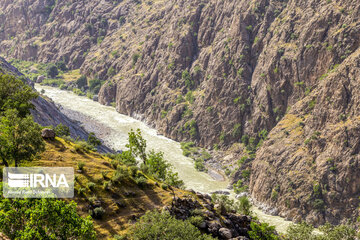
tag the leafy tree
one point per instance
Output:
(81, 81)
(93, 140)
(137, 145)
(52, 71)
(14, 94)
(62, 130)
(162, 226)
(61, 65)
(94, 85)
(262, 231)
(29, 219)
(20, 138)
(304, 231)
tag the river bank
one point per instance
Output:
(112, 127)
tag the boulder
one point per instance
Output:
(48, 133)
(225, 233)
(40, 78)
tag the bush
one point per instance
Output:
(81, 165)
(162, 226)
(97, 213)
(81, 81)
(164, 186)
(81, 191)
(93, 140)
(91, 186)
(52, 71)
(62, 130)
(61, 65)
(43, 219)
(141, 182)
(262, 231)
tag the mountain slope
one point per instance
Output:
(217, 71)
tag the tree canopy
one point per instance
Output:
(29, 219)
(14, 94)
(20, 138)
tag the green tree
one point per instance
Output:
(137, 145)
(14, 94)
(262, 231)
(61, 65)
(93, 140)
(29, 219)
(20, 138)
(162, 226)
(81, 81)
(62, 130)
(52, 71)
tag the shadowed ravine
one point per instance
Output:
(113, 127)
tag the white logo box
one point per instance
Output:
(38, 182)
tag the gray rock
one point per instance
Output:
(225, 233)
(48, 133)
(40, 78)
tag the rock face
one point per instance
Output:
(219, 70)
(48, 133)
(224, 226)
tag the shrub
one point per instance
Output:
(196, 220)
(97, 213)
(81, 165)
(141, 181)
(81, 191)
(93, 140)
(62, 130)
(162, 226)
(52, 71)
(43, 219)
(164, 186)
(91, 186)
(262, 231)
(81, 81)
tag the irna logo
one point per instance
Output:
(38, 182)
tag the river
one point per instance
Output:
(113, 127)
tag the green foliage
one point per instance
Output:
(81, 81)
(93, 140)
(52, 71)
(191, 128)
(240, 187)
(61, 65)
(236, 132)
(78, 92)
(94, 85)
(81, 165)
(262, 231)
(20, 138)
(189, 83)
(162, 226)
(242, 206)
(135, 58)
(153, 163)
(14, 94)
(190, 97)
(304, 231)
(137, 145)
(97, 213)
(62, 130)
(43, 219)
(141, 181)
(111, 72)
(91, 186)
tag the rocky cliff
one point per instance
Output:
(218, 71)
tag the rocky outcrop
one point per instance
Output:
(308, 168)
(48, 133)
(222, 226)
